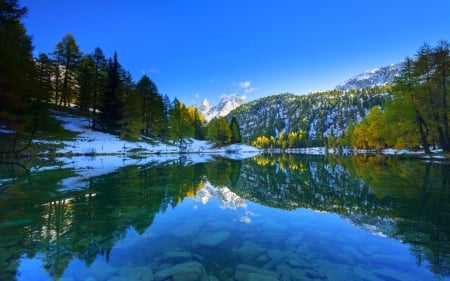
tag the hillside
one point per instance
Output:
(317, 115)
(377, 77)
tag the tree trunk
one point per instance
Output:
(446, 145)
(423, 131)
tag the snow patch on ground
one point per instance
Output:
(95, 153)
(89, 142)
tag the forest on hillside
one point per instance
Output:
(92, 85)
(418, 113)
(411, 113)
(318, 119)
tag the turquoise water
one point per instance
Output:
(267, 218)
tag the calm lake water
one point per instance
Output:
(266, 218)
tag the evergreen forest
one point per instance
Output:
(412, 113)
(88, 84)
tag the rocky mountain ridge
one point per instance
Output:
(377, 77)
(226, 104)
(317, 115)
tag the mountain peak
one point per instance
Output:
(204, 105)
(226, 104)
(372, 78)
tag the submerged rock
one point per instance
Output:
(214, 239)
(176, 256)
(249, 250)
(245, 272)
(184, 231)
(188, 271)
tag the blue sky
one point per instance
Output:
(208, 48)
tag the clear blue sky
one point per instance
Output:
(208, 48)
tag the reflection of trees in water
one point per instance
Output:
(290, 182)
(87, 223)
(421, 192)
(414, 196)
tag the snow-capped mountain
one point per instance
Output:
(227, 198)
(317, 115)
(225, 105)
(372, 78)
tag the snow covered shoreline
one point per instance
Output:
(89, 142)
(94, 153)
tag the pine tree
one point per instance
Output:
(44, 75)
(211, 133)
(19, 97)
(100, 83)
(197, 121)
(112, 108)
(152, 106)
(180, 124)
(441, 60)
(219, 131)
(57, 74)
(86, 74)
(70, 56)
(132, 123)
(235, 131)
(376, 129)
(165, 118)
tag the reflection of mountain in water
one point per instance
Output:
(404, 200)
(227, 199)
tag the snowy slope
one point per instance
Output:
(89, 142)
(94, 153)
(317, 115)
(372, 78)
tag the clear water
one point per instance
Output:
(266, 218)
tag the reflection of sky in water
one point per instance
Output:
(234, 238)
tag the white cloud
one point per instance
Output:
(224, 95)
(197, 95)
(249, 90)
(228, 95)
(246, 86)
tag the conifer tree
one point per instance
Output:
(219, 131)
(86, 84)
(44, 75)
(211, 133)
(70, 55)
(100, 80)
(235, 131)
(152, 106)
(441, 75)
(19, 98)
(132, 123)
(112, 108)
(224, 131)
(180, 124)
(165, 118)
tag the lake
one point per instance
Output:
(270, 217)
